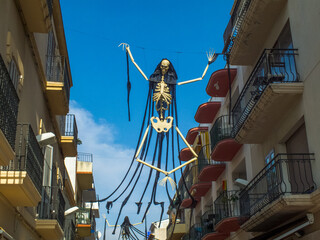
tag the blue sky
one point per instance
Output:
(181, 31)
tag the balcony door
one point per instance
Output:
(300, 175)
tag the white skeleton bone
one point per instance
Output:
(162, 93)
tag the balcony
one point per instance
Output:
(83, 222)
(279, 192)
(50, 221)
(195, 232)
(69, 135)
(207, 111)
(193, 133)
(273, 86)
(21, 180)
(37, 14)
(218, 85)
(9, 103)
(84, 171)
(178, 231)
(196, 188)
(57, 85)
(248, 28)
(208, 222)
(223, 145)
(227, 212)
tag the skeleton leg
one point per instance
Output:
(153, 167)
(142, 142)
(185, 141)
(186, 163)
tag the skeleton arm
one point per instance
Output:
(132, 59)
(211, 58)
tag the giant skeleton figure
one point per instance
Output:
(161, 97)
(164, 80)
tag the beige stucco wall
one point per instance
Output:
(304, 17)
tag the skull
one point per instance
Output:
(164, 66)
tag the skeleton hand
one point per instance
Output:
(124, 45)
(211, 56)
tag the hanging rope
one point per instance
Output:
(128, 85)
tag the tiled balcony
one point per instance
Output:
(280, 191)
(196, 188)
(69, 135)
(208, 223)
(227, 212)
(84, 171)
(206, 112)
(223, 145)
(9, 103)
(193, 133)
(50, 221)
(272, 87)
(21, 180)
(83, 222)
(218, 85)
(57, 85)
(249, 26)
(37, 14)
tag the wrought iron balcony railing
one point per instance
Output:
(208, 221)
(52, 205)
(49, 4)
(9, 103)
(227, 205)
(195, 232)
(221, 129)
(29, 156)
(274, 66)
(68, 126)
(84, 216)
(57, 72)
(234, 23)
(286, 173)
(84, 157)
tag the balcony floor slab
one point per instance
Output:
(19, 189)
(278, 212)
(266, 113)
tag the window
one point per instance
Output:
(284, 40)
(14, 73)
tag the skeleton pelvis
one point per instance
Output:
(161, 126)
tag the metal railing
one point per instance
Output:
(56, 71)
(9, 103)
(28, 157)
(66, 80)
(69, 128)
(221, 129)
(195, 232)
(274, 66)
(286, 173)
(227, 205)
(208, 221)
(83, 216)
(235, 23)
(52, 205)
(49, 4)
(84, 157)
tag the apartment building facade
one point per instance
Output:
(257, 171)
(37, 134)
